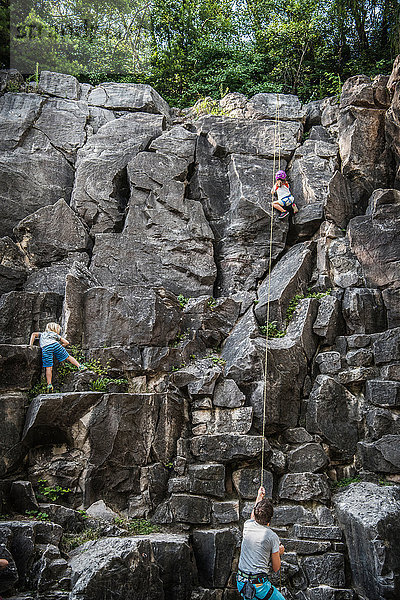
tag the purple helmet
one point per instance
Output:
(280, 175)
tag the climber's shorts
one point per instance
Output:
(262, 589)
(286, 201)
(53, 350)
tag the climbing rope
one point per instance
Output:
(277, 136)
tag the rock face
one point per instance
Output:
(148, 234)
(368, 515)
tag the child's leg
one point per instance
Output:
(73, 361)
(49, 374)
(278, 207)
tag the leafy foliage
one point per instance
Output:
(70, 541)
(50, 493)
(194, 49)
(137, 526)
(37, 515)
(101, 384)
(345, 481)
(272, 330)
(295, 301)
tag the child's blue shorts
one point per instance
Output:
(53, 350)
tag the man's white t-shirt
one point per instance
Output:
(257, 545)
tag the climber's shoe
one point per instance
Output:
(295, 208)
(283, 214)
(50, 388)
(82, 368)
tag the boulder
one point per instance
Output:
(171, 244)
(359, 358)
(307, 457)
(173, 555)
(320, 134)
(333, 413)
(135, 97)
(63, 122)
(36, 234)
(207, 479)
(226, 447)
(247, 481)
(101, 189)
(115, 563)
(380, 422)
(54, 278)
(374, 239)
(344, 269)
(18, 112)
(392, 117)
(329, 321)
(225, 512)
(339, 204)
(228, 394)
(22, 313)
(213, 550)
(300, 487)
(386, 347)
(391, 300)
(241, 136)
(12, 414)
(129, 316)
(23, 497)
(223, 420)
(382, 456)
(297, 435)
(13, 270)
(311, 170)
(361, 91)
(290, 276)
(99, 510)
(264, 106)
(198, 378)
(20, 367)
(33, 175)
(329, 362)
(328, 568)
(289, 514)
(287, 369)
(190, 509)
(362, 146)
(369, 517)
(59, 84)
(125, 429)
(363, 310)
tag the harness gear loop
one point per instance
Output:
(277, 134)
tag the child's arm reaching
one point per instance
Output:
(64, 342)
(33, 337)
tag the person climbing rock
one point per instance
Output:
(285, 198)
(52, 344)
(260, 550)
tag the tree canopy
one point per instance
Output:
(188, 49)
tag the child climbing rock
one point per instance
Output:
(285, 198)
(52, 344)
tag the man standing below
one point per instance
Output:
(260, 548)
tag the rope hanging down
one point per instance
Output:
(277, 137)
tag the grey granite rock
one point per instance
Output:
(333, 412)
(22, 313)
(226, 447)
(128, 96)
(369, 516)
(101, 191)
(304, 486)
(37, 235)
(382, 455)
(308, 457)
(213, 550)
(207, 479)
(248, 480)
(13, 268)
(20, 367)
(363, 310)
(59, 84)
(129, 316)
